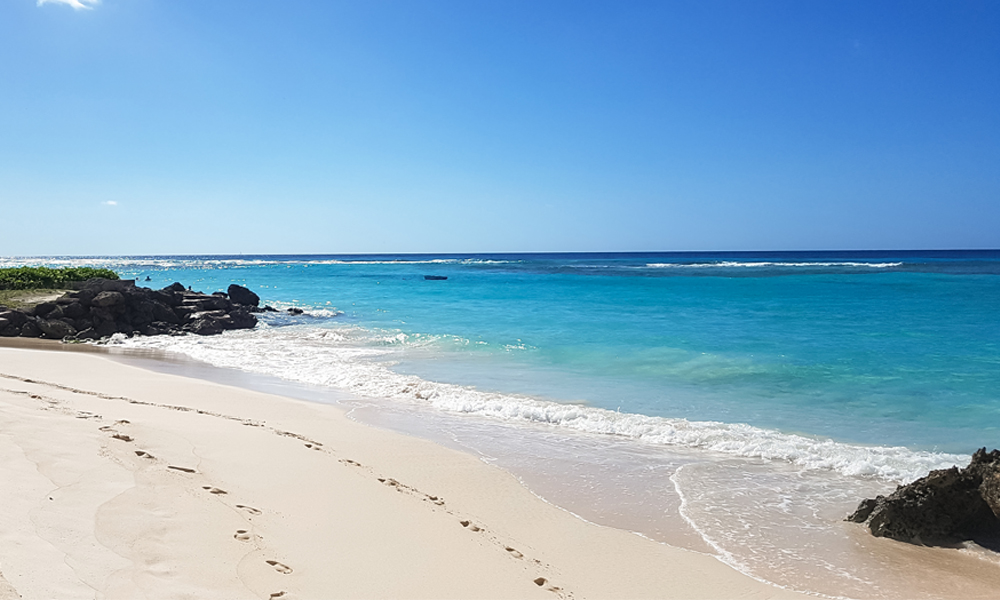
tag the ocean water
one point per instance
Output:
(734, 403)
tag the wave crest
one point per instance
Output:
(360, 360)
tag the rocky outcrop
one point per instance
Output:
(241, 295)
(99, 308)
(942, 509)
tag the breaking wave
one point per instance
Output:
(360, 360)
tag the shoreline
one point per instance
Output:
(341, 508)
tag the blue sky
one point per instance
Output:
(185, 126)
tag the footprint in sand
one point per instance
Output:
(279, 567)
(143, 454)
(213, 490)
(242, 535)
(513, 552)
(185, 469)
(540, 581)
(276, 595)
(122, 437)
(249, 509)
(470, 525)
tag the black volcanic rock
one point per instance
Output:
(55, 329)
(99, 308)
(944, 508)
(241, 295)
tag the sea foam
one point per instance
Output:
(729, 264)
(360, 360)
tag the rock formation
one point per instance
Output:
(944, 508)
(102, 307)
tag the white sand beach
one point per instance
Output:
(124, 483)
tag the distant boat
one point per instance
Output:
(435, 277)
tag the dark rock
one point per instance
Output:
(990, 490)
(105, 328)
(205, 314)
(205, 326)
(269, 309)
(215, 303)
(100, 308)
(55, 329)
(241, 295)
(8, 329)
(944, 508)
(109, 298)
(84, 296)
(14, 317)
(43, 309)
(75, 310)
(166, 297)
(435, 277)
(162, 312)
(30, 330)
(242, 319)
(295, 311)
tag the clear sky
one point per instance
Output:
(224, 126)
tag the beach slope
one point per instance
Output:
(124, 483)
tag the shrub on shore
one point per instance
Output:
(27, 278)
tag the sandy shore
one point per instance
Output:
(124, 483)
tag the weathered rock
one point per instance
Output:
(295, 311)
(14, 317)
(242, 319)
(106, 328)
(990, 490)
(168, 297)
(84, 296)
(55, 329)
(205, 326)
(8, 329)
(43, 309)
(106, 299)
(241, 295)
(74, 310)
(100, 308)
(946, 507)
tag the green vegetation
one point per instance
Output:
(28, 278)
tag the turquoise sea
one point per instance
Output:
(676, 394)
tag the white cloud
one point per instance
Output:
(77, 4)
(109, 203)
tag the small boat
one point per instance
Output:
(435, 277)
